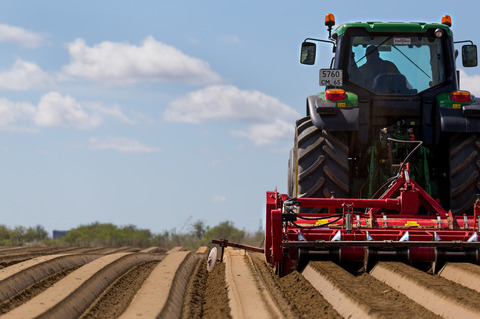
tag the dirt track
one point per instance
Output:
(129, 283)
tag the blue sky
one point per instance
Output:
(150, 112)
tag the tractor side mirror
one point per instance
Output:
(469, 55)
(309, 50)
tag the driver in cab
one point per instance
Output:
(374, 67)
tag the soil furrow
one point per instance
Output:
(34, 290)
(441, 296)
(215, 302)
(22, 276)
(71, 296)
(248, 297)
(294, 294)
(467, 275)
(162, 293)
(116, 298)
(105, 283)
(360, 296)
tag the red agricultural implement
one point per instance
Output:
(410, 227)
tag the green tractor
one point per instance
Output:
(391, 97)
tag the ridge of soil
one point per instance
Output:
(116, 298)
(369, 293)
(294, 294)
(34, 290)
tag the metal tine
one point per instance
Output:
(368, 237)
(473, 238)
(300, 236)
(405, 237)
(338, 236)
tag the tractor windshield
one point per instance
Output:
(396, 64)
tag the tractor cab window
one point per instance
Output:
(396, 64)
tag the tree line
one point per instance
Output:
(106, 234)
(19, 235)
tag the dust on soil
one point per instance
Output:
(118, 296)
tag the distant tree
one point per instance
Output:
(97, 234)
(110, 235)
(198, 229)
(223, 230)
(161, 240)
(5, 235)
(40, 232)
(35, 234)
(18, 235)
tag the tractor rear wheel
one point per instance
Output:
(464, 172)
(322, 167)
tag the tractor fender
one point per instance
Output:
(326, 115)
(465, 119)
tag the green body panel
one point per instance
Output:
(385, 160)
(443, 100)
(392, 27)
(351, 101)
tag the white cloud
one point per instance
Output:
(101, 110)
(267, 134)
(56, 110)
(227, 102)
(15, 116)
(219, 199)
(121, 144)
(64, 111)
(115, 63)
(470, 83)
(20, 36)
(24, 76)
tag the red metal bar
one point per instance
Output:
(388, 203)
(224, 243)
(271, 205)
(277, 236)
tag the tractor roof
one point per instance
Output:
(392, 27)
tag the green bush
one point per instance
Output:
(109, 235)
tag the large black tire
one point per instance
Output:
(322, 167)
(464, 172)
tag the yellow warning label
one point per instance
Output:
(321, 222)
(341, 104)
(457, 106)
(411, 223)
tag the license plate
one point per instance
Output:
(331, 77)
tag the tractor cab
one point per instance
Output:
(392, 58)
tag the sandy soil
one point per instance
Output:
(196, 293)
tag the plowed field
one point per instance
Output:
(154, 283)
